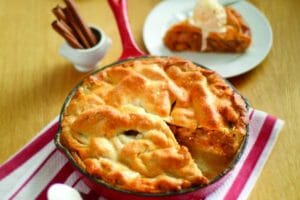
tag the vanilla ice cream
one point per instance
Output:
(210, 16)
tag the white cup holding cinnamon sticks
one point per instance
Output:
(84, 45)
(85, 60)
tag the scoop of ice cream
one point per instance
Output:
(210, 16)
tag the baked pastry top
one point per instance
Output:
(185, 36)
(139, 124)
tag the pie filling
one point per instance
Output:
(154, 125)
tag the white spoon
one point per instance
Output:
(62, 192)
(228, 2)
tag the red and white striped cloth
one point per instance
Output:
(29, 173)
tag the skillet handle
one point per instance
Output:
(130, 49)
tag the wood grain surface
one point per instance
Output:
(35, 79)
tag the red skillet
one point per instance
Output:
(132, 52)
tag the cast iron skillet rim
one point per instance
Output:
(172, 193)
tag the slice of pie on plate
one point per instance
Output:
(212, 28)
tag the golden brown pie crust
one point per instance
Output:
(184, 36)
(137, 124)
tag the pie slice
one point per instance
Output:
(142, 124)
(185, 36)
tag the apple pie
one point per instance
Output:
(154, 124)
(187, 36)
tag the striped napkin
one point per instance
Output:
(29, 173)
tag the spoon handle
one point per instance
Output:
(228, 2)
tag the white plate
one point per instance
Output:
(227, 65)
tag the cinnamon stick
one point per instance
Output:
(59, 13)
(86, 31)
(71, 26)
(63, 23)
(63, 31)
(76, 28)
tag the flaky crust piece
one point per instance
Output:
(130, 124)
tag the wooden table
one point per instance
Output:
(35, 79)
